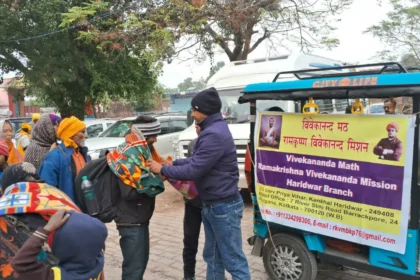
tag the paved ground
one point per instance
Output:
(166, 247)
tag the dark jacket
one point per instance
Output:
(133, 209)
(127, 207)
(196, 202)
(59, 170)
(214, 164)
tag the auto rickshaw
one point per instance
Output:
(367, 218)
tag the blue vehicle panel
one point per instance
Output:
(402, 79)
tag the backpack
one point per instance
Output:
(14, 231)
(105, 185)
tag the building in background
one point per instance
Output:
(181, 101)
(12, 99)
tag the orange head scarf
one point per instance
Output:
(68, 128)
(393, 125)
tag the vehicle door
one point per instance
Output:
(178, 125)
(164, 144)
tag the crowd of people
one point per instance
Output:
(47, 233)
(50, 236)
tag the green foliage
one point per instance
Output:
(69, 67)
(237, 27)
(189, 84)
(148, 104)
(400, 31)
(219, 65)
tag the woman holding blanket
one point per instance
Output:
(61, 165)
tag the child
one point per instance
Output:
(80, 255)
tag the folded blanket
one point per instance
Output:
(186, 188)
(128, 162)
(38, 198)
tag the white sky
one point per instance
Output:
(354, 47)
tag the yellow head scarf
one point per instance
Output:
(28, 127)
(68, 128)
(36, 116)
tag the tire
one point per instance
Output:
(305, 265)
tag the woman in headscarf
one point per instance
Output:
(17, 223)
(6, 133)
(44, 138)
(23, 140)
(61, 165)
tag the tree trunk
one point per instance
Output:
(241, 56)
(78, 112)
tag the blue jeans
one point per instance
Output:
(223, 244)
(134, 243)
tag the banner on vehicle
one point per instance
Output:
(343, 176)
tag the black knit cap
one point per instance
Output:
(207, 102)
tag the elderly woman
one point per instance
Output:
(43, 139)
(62, 164)
(7, 133)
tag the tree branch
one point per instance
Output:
(221, 43)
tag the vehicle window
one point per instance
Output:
(94, 130)
(234, 112)
(16, 126)
(17, 123)
(118, 129)
(109, 124)
(164, 127)
(376, 109)
(178, 125)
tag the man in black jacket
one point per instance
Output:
(134, 213)
(192, 226)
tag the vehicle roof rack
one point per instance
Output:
(386, 67)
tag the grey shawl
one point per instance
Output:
(42, 138)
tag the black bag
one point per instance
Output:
(15, 230)
(105, 185)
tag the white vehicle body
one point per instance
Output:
(232, 79)
(96, 126)
(171, 126)
(376, 109)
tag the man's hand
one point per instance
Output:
(154, 166)
(57, 220)
(197, 129)
(388, 152)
